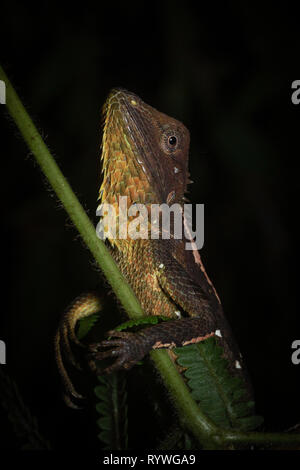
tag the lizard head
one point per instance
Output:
(144, 152)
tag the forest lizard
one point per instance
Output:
(145, 157)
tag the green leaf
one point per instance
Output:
(222, 397)
(86, 324)
(149, 320)
(112, 408)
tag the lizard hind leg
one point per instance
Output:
(83, 306)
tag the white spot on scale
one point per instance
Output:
(218, 333)
(177, 313)
(133, 102)
(176, 170)
(161, 266)
(237, 365)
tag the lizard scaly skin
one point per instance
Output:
(145, 158)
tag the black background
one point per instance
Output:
(225, 70)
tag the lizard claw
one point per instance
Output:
(83, 306)
(126, 348)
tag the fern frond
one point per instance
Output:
(149, 320)
(222, 397)
(113, 410)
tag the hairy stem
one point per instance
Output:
(205, 431)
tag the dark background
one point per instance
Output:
(225, 70)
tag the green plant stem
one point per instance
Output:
(204, 430)
(190, 413)
(70, 202)
(265, 439)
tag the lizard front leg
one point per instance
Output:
(197, 302)
(129, 348)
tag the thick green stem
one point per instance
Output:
(191, 415)
(205, 431)
(267, 440)
(69, 200)
(96, 246)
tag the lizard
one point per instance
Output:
(145, 157)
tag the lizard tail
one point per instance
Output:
(83, 306)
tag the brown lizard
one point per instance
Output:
(145, 157)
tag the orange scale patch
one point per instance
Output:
(118, 154)
(133, 193)
(149, 279)
(117, 174)
(131, 181)
(137, 181)
(141, 195)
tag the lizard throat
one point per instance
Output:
(123, 171)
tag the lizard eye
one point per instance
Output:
(170, 141)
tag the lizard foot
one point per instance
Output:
(127, 348)
(82, 306)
